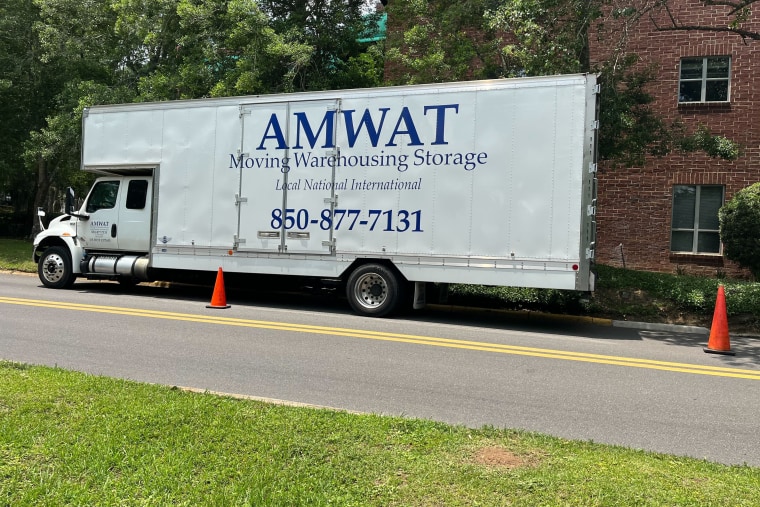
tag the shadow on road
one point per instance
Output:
(272, 293)
(746, 349)
(330, 300)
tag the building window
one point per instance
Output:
(694, 228)
(704, 79)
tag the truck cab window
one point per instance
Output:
(103, 196)
(136, 194)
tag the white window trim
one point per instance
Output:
(704, 79)
(696, 230)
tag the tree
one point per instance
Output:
(220, 49)
(325, 34)
(435, 42)
(27, 90)
(739, 222)
(75, 42)
(544, 36)
(540, 37)
(59, 56)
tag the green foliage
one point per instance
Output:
(223, 50)
(55, 53)
(445, 41)
(58, 142)
(440, 42)
(448, 41)
(26, 95)
(631, 129)
(740, 228)
(714, 145)
(362, 71)
(543, 36)
(59, 56)
(78, 36)
(677, 293)
(519, 298)
(316, 40)
(687, 293)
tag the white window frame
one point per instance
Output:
(696, 229)
(704, 80)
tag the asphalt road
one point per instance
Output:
(653, 390)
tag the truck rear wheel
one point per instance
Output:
(54, 268)
(374, 290)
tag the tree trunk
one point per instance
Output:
(41, 195)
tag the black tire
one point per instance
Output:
(54, 268)
(374, 290)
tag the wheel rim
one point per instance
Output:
(371, 290)
(54, 268)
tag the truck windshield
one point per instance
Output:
(103, 196)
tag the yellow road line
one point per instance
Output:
(400, 338)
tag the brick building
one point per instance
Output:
(663, 216)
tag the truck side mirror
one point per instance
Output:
(69, 201)
(40, 214)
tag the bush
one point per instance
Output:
(687, 293)
(740, 228)
(518, 298)
(679, 293)
(13, 225)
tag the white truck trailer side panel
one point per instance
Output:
(481, 182)
(222, 214)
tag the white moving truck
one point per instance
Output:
(383, 189)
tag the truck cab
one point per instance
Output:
(108, 237)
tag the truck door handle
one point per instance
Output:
(113, 230)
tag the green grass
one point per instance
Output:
(16, 255)
(68, 438)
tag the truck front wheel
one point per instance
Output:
(54, 268)
(373, 290)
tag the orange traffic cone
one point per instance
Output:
(219, 298)
(719, 342)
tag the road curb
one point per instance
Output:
(524, 314)
(263, 399)
(585, 319)
(582, 319)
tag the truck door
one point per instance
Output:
(119, 211)
(287, 176)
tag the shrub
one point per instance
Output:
(740, 228)
(518, 298)
(688, 293)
